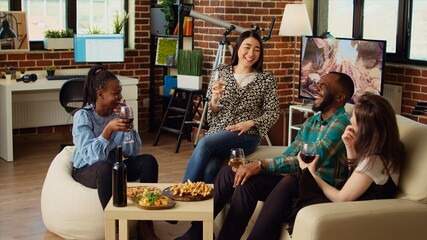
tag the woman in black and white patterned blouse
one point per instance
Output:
(239, 115)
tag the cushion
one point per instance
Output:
(68, 208)
(413, 179)
(264, 152)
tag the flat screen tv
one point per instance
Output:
(98, 48)
(362, 60)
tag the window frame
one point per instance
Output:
(403, 29)
(15, 5)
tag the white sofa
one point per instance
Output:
(404, 217)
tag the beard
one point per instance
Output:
(327, 101)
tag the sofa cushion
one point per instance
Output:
(264, 152)
(413, 179)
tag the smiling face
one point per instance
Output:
(110, 96)
(249, 52)
(325, 93)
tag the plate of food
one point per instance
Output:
(189, 191)
(150, 198)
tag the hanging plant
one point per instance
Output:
(169, 15)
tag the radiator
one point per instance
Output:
(393, 93)
(31, 109)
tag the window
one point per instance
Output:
(402, 23)
(83, 16)
(97, 15)
(43, 15)
(381, 26)
(342, 10)
(418, 49)
(4, 4)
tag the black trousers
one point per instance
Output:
(99, 175)
(277, 192)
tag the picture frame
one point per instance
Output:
(14, 31)
(167, 51)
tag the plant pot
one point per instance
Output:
(50, 72)
(58, 43)
(189, 82)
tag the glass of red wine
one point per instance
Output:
(126, 113)
(308, 151)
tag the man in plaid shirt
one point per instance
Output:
(275, 181)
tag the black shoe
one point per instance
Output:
(173, 222)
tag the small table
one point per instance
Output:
(182, 211)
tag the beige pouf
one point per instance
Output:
(68, 208)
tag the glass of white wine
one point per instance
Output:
(221, 83)
(237, 158)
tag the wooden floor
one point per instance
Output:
(21, 182)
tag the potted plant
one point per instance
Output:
(167, 10)
(58, 39)
(190, 63)
(119, 22)
(50, 70)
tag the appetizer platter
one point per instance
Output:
(189, 191)
(151, 198)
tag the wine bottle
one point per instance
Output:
(119, 180)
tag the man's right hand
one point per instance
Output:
(245, 172)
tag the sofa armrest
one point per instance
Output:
(374, 219)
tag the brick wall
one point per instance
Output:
(279, 57)
(414, 82)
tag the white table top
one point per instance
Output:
(184, 211)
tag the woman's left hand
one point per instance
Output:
(311, 166)
(241, 127)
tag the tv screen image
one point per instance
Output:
(362, 60)
(98, 48)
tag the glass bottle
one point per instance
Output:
(119, 180)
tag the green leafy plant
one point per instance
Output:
(119, 22)
(67, 33)
(169, 15)
(93, 30)
(50, 68)
(190, 62)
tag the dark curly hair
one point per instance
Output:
(97, 79)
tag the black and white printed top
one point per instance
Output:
(257, 101)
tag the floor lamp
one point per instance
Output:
(295, 23)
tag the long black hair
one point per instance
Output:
(97, 79)
(240, 39)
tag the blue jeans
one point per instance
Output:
(210, 153)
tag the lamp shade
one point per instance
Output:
(295, 21)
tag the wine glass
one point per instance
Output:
(237, 158)
(221, 83)
(308, 151)
(126, 112)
